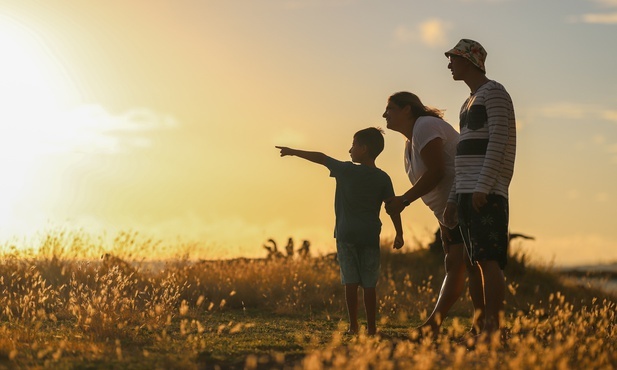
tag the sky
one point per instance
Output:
(161, 117)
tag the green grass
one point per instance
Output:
(62, 306)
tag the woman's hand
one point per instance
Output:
(450, 215)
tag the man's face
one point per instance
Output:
(458, 66)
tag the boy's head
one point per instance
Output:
(372, 138)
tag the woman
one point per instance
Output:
(429, 162)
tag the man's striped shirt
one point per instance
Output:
(487, 147)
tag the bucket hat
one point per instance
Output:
(470, 50)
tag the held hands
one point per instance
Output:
(450, 214)
(394, 205)
(446, 234)
(398, 241)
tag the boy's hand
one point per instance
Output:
(398, 241)
(450, 215)
(285, 150)
(394, 205)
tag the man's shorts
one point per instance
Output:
(359, 263)
(485, 232)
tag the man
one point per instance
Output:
(484, 165)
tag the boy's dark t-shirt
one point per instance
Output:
(360, 191)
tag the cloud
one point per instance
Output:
(573, 194)
(599, 139)
(602, 197)
(91, 128)
(432, 33)
(607, 3)
(567, 110)
(609, 115)
(612, 150)
(599, 18)
(403, 35)
(483, 1)
(303, 4)
(84, 129)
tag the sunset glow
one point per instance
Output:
(162, 117)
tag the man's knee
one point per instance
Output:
(489, 265)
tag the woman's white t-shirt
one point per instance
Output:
(425, 130)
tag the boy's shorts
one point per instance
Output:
(359, 263)
(485, 232)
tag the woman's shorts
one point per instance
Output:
(485, 232)
(455, 236)
(359, 263)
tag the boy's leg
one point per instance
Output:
(351, 298)
(370, 306)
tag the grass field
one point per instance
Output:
(73, 302)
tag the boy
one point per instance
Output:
(360, 191)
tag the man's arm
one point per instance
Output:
(315, 157)
(498, 104)
(432, 156)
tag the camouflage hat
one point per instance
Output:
(470, 50)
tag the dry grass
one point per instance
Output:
(72, 301)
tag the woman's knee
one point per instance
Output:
(454, 259)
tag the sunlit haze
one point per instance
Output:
(161, 116)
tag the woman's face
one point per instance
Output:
(396, 117)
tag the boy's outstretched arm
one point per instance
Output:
(398, 239)
(315, 157)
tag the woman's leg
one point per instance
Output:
(451, 288)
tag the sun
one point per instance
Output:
(34, 92)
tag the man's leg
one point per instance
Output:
(370, 305)
(494, 294)
(351, 299)
(476, 291)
